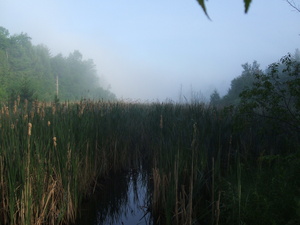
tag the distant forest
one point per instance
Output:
(31, 72)
(252, 76)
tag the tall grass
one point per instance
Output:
(207, 165)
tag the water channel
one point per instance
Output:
(123, 199)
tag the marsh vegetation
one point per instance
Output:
(207, 165)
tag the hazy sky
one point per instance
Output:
(147, 50)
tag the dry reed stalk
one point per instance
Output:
(32, 113)
(25, 207)
(25, 105)
(190, 205)
(18, 100)
(213, 191)
(183, 196)
(3, 192)
(176, 190)
(165, 185)
(218, 208)
(161, 122)
(156, 187)
(229, 152)
(53, 109)
(54, 142)
(44, 203)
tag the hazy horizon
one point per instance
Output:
(149, 50)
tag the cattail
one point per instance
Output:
(15, 107)
(42, 112)
(54, 141)
(29, 129)
(25, 105)
(32, 113)
(48, 123)
(18, 100)
(161, 122)
(6, 111)
(194, 135)
(12, 126)
(53, 110)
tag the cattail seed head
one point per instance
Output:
(18, 100)
(6, 111)
(29, 129)
(54, 141)
(32, 113)
(53, 110)
(49, 123)
(15, 107)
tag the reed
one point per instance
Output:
(53, 157)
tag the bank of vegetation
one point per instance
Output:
(227, 162)
(32, 72)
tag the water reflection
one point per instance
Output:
(123, 200)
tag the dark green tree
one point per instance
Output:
(31, 71)
(275, 95)
(215, 98)
(245, 80)
(26, 91)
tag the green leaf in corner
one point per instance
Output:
(202, 4)
(247, 5)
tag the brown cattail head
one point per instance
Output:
(49, 123)
(18, 100)
(15, 107)
(29, 129)
(53, 110)
(6, 111)
(54, 141)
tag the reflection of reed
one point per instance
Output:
(124, 197)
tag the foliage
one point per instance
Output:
(238, 84)
(275, 96)
(215, 98)
(23, 65)
(202, 4)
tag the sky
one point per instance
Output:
(158, 50)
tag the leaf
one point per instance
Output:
(202, 4)
(247, 5)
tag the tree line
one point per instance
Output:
(31, 72)
(273, 94)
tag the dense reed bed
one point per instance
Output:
(208, 166)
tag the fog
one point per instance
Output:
(151, 50)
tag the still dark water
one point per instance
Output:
(123, 199)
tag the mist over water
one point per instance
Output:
(147, 50)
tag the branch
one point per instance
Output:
(293, 5)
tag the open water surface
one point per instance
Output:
(122, 200)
